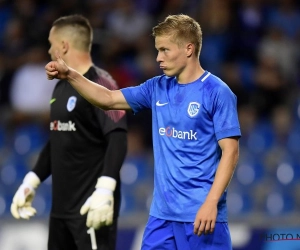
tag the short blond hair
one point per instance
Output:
(182, 28)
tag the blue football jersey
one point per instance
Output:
(187, 122)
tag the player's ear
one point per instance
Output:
(190, 48)
(65, 46)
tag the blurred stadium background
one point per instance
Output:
(253, 45)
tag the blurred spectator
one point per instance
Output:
(286, 15)
(15, 42)
(152, 7)
(26, 11)
(137, 173)
(127, 28)
(190, 7)
(5, 15)
(278, 160)
(248, 121)
(214, 17)
(239, 77)
(282, 49)
(66, 7)
(271, 87)
(127, 23)
(147, 65)
(282, 124)
(97, 12)
(248, 28)
(5, 80)
(31, 90)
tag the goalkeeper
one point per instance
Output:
(84, 154)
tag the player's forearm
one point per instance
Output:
(223, 175)
(91, 91)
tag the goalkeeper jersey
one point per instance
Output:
(187, 122)
(76, 148)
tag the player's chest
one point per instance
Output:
(66, 103)
(180, 104)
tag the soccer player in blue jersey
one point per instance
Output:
(195, 138)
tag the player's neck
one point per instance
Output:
(80, 62)
(190, 74)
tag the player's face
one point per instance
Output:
(171, 57)
(55, 44)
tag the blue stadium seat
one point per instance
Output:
(128, 204)
(138, 167)
(287, 171)
(293, 140)
(279, 202)
(13, 171)
(28, 138)
(2, 136)
(261, 138)
(239, 203)
(249, 170)
(5, 200)
(41, 204)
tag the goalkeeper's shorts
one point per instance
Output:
(162, 234)
(70, 234)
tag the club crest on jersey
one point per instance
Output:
(193, 109)
(71, 103)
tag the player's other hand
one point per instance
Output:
(205, 220)
(21, 207)
(100, 205)
(57, 69)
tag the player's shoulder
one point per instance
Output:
(159, 79)
(62, 83)
(101, 72)
(156, 82)
(215, 83)
(102, 77)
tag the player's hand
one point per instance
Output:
(21, 207)
(100, 205)
(205, 220)
(57, 69)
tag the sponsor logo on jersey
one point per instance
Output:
(193, 109)
(179, 134)
(62, 126)
(71, 103)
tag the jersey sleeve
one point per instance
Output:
(224, 113)
(139, 97)
(115, 153)
(42, 167)
(112, 119)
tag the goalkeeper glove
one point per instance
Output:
(21, 205)
(100, 205)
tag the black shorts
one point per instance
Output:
(71, 234)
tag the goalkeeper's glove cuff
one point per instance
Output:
(106, 182)
(32, 180)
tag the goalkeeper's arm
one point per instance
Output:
(100, 205)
